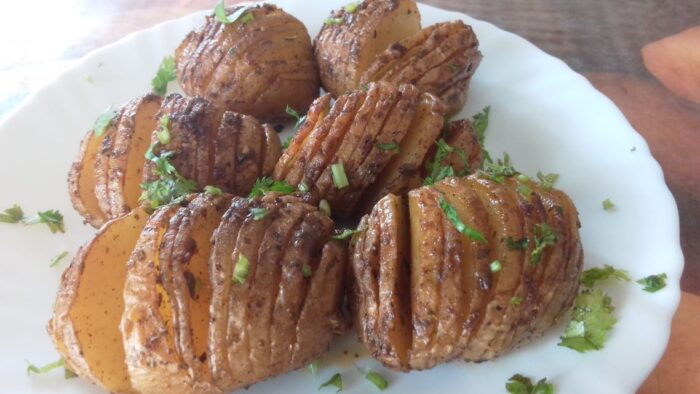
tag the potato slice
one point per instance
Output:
(278, 306)
(439, 59)
(89, 305)
(403, 171)
(256, 65)
(466, 156)
(82, 183)
(350, 39)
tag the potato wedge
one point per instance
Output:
(351, 38)
(166, 295)
(277, 283)
(439, 59)
(257, 65)
(491, 266)
(89, 305)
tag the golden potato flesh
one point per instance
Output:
(167, 294)
(89, 305)
(351, 38)
(257, 65)
(507, 276)
(439, 59)
(276, 290)
(379, 137)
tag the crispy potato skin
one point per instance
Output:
(285, 311)
(439, 59)
(356, 131)
(255, 68)
(166, 315)
(344, 50)
(457, 307)
(89, 305)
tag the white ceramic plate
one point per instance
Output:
(542, 113)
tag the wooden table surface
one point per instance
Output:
(657, 88)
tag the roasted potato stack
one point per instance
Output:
(103, 181)
(89, 305)
(257, 65)
(166, 299)
(282, 307)
(439, 59)
(424, 293)
(229, 151)
(351, 39)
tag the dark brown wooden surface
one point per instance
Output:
(602, 39)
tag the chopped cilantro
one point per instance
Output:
(519, 384)
(335, 381)
(495, 266)
(213, 190)
(377, 380)
(52, 218)
(437, 169)
(12, 215)
(352, 7)
(166, 73)
(593, 275)
(33, 369)
(547, 181)
(241, 270)
(480, 122)
(333, 21)
(516, 300)
(389, 147)
(56, 259)
(170, 187)
(285, 143)
(524, 190)
(499, 170)
(452, 216)
(608, 205)
(520, 244)
(592, 319)
(266, 185)
(104, 121)
(306, 270)
(258, 213)
(294, 114)
(325, 207)
(653, 283)
(340, 179)
(544, 236)
(634, 148)
(346, 233)
(163, 132)
(239, 14)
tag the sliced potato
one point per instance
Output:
(439, 59)
(81, 180)
(89, 305)
(350, 39)
(276, 294)
(257, 65)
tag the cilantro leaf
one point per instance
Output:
(56, 259)
(285, 143)
(241, 270)
(462, 228)
(294, 114)
(352, 7)
(324, 207)
(213, 190)
(266, 185)
(515, 300)
(306, 270)
(377, 380)
(495, 266)
(104, 121)
(346, 233)
(12, 215)
(335, 381)
(163, 132)
(239, 14)
(593, 275)
(166, 73)
(520, 244)
(258, 213)
(437, 169)
(519, 384)
(480, 122)
(340, 179)
(653, 283)
(33, 369)
(333, 21)
(592, 319)
(547, 181)
(544, 236)
(389, 147)
(608, 205)
(499, 170)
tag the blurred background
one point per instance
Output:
(643, 54)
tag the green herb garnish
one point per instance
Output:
(593, 275)
(306, 270)
(520, 244)
(33, 369)
(170, 187)
(285, 143)
(346, 233)
(104, 121)
(163, 132)
(389, 147)
(241, 270)
(377, 380)
(480, 122)
(166, 73)
(52, 218)
(499, 170)
(333, 21)
(294, 114)
(437, 170)
(266, 185)
(352, 7)
(591, 321)
(325, 207)
(495, 266)
(462, 228)
(213, 190)
(653, 283)
(56, 259)
(516, 300)
(608, 205)
(241, 13)
(335, 381)
(519, 384)
(547, 181)
(544, 236)
(340, 179)
(12, 215)
(258, 213)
